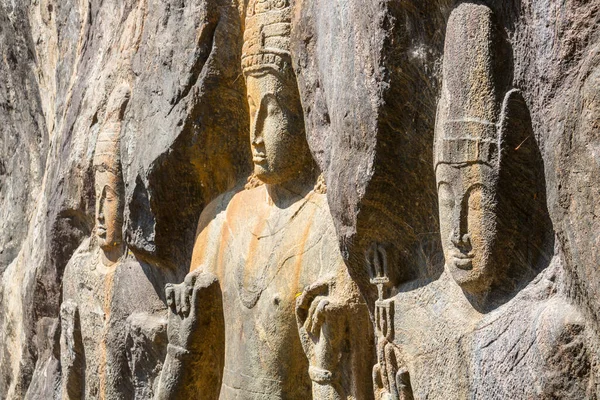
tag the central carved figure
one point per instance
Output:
(268, 310)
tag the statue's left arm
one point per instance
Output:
(195, 354)
(335, 331)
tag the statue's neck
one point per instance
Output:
(111, 255)
(297, 187)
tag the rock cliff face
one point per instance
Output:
(432, 167)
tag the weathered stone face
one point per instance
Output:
(468, 222)
(276, 128)
(109, 209)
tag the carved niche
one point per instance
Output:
(268, 306)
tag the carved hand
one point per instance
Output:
(71, 357)
(321, 324)
(189, 303)
(195, 354)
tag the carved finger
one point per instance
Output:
(186, 294)
(306, 299)
(308, 325)
(319, 317)
(178, 298)
(170, 295)
(190, 279)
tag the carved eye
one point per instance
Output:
(445, 195)
(273, 108)
(476, 199)
(109, 194)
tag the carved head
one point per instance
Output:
(108, 175)
(488, 168)
(467, 148)
(467, 175)
(278, 142)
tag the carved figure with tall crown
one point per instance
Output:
(100, 313)
(498, 323)
(268, 310)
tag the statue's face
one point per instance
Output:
(108, 209)
(468, 223)
(276, 131)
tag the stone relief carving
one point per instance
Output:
(269, 305)
(99, 307)
(498, 247)
(390, 377)
(265, 253)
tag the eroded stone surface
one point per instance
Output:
(446, 132)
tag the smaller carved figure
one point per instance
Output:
(391, 379)
(84, 354)
(98, 299)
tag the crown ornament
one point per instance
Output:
(267, 36)
(107, 154)
(467, 125)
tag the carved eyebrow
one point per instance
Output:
(269, 96)
(108, 187)
(477, 185)
(266, 97)
(440, 183)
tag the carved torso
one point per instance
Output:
(105, 298)
(264, 255)
(522, 349)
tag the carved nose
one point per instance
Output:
(256, 132)
(459, 240)
(257, 140)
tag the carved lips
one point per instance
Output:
(101, 231)
(258, 157)
(461, 260)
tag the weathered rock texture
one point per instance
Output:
(375, 86)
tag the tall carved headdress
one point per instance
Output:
(467, 126)
(267, 36)
(107, 155)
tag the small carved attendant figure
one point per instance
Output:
(268, 287)
(391, 380)
(97, 295)
(82, 312)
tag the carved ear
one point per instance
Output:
(522, 188)
(515, 129)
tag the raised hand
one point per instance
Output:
(192, 304)
(196, 332)
(321, 324)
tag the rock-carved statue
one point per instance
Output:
(498, 323)
(391, 378)
(268, 309)
(99, 309)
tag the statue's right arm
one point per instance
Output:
(195, 353)
(71, 357)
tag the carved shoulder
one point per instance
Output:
(563, 342)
